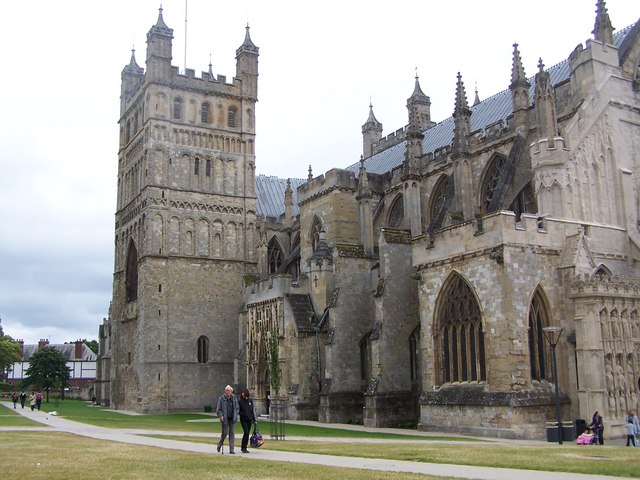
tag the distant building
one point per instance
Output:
(80, 360)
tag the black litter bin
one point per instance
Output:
(568, 432)
(581, 426)
(552, 432)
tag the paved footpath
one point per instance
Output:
(137, 437)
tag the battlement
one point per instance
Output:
(335, 178)
(390, 140)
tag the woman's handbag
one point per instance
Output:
(256, 439)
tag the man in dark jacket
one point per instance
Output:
(227, 410)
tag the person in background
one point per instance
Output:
(32, 401)
(14, 399)
(227, 410)
(598, 427)
(247, 417)
(633, 419)
(23, 398)
(39, 400)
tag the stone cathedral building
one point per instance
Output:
(411, 288)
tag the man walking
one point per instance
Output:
(227, 410)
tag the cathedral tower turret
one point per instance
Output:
(247, 66)
(603, 30)
(371, 133)
(418, 105)
(159, 56)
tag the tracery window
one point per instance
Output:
(275, 255)
(177, 108)
(396, 214)
(131, 280)
(203, 349)
(492, 176)
(316, 228)
(538, 319)
(460, 339)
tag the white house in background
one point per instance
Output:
(80, 360)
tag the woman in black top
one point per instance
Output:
(247, 417)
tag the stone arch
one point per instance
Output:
(490, 179)
(275, 254)
(538, 319)
(131, 272)
(395, 219)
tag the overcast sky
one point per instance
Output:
(320, 65)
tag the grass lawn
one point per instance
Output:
(612, 461)
(9, 418)
(80, 411)
(61, 456)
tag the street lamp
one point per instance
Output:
(552, 335)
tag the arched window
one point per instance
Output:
(538, 319)
(208, 168)
(275, 255)
(177, 108)
(459, 336)
(203, 349)
(396, 214)
(491, 178)
(316, 228)
(414, 356)
(131, 279)
(205, 113)
(196, 167)
(231, 117)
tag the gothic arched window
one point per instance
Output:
(231, 117)
(396, 213)
(275, 255)
(177, 108)
(316, 228)
(538, 319)
(131, 279)
(203, 349)
(491, 178)
(459, 337)
(205, 113)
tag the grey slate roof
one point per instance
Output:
(487, 112)
(270, 195)
(67, 350)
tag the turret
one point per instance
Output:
(460, 151)
(545, 106)
(364, 205)
(371, 133)
(159, 56)
(131, 77)
(519, 90)
(247, 66)
(419, 116)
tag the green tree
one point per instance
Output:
(47, 370)
(9, 353)
(275, 372)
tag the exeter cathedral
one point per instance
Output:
(415, 287)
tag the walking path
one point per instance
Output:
(138, 437)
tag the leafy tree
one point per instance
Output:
(47, 370)
(9, 353)
(275, 372)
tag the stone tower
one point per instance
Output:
(184, 228)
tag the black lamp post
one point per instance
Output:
(552, 335)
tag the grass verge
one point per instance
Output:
(61, 456)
